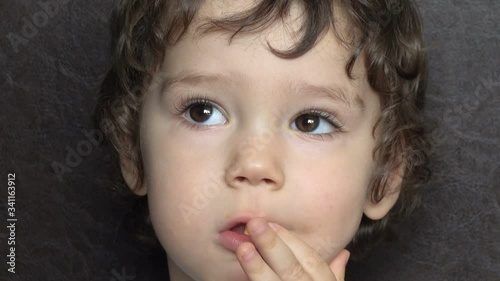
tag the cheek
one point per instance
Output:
(336, 204)
(337, 184)
(178, 212)
(174, 179)
(331, 219)
(333, 194)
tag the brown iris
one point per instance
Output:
(307, 122)
(201, 112)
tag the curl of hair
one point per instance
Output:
(388, 36)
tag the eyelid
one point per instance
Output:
(328, 116)
(184, 104)
(323, 113)
(188, 100)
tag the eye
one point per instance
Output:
(205, 113)
(316, 123)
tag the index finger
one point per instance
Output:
(276, 253)
(309, 258)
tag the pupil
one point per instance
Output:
(201, 112)
(307, 122)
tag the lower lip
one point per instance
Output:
(231, 240)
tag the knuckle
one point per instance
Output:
(294, 272)
(269, 242)
(257, 269)
(313, 262)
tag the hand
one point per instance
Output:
(283, 256)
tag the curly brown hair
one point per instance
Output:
(387, 34)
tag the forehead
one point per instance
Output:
(224, 8)
(202, 58)
(282, 25)
(279, 32)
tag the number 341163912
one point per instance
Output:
(11, 190)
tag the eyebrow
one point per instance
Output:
(194, 78)
(335, 92)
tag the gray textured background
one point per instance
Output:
(71, 229)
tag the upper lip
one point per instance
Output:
(235, 221)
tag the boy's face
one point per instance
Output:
(263, 146)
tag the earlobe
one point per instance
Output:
(377, 210)
(129, 173)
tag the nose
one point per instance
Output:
(256, 161)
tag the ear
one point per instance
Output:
(377, 210)
(129, 173)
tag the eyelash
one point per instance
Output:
(329, 117)
(186, 102)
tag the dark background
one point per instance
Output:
(70, 228)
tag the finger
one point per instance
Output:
(310, 260)
(275, 252)
(252, 263)
(339, 264)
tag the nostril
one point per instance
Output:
(242, 179)
(268, 181)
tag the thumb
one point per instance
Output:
(339, 264)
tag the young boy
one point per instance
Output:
(269, 136)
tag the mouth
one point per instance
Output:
(240, 228)
(234, 233)
(238, 225)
